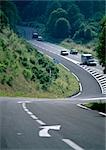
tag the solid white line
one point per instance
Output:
(72, 144)
(84, 107)
(49, 57)
(75, 76)
(80, 87)
(64, 66)
(101, 113)
(40, 122)
(76, 95)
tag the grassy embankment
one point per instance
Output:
(100, 106)
(82, 48)
(25, 72)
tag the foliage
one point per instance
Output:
(100, 106)
(3, 19)
(62, 28)
(54, 16)
(75, 18)
(43, 15)
(101, 48)
(52, 5)
(87, 31)
(10, 11)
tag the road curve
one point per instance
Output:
(90, 86)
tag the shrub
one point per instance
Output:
(7, 80)
(27, 74)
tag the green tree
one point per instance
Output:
(73, 10)
(3, 19)
(52, 5)
(62, 28)
(101, 48)
(54, 16)
(10, 11)
(75, 18)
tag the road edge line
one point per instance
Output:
(84, 107)
(103, 114)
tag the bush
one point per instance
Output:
(27, 74)
(7, 80)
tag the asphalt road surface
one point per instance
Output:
(49, 125)
(90, 87)
(43, 124)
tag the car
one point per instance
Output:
(40, 38)
(73, 51)
(64, 52)
(35, 35)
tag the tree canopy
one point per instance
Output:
(62, 28)
(54, 16)
(101, 48)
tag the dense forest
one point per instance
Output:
(78, 20)
(23, 70)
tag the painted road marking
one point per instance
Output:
(30, 113)
(72, 144)
(64, 67)
(80, 87)
(101, 113)
(44, 130)
(40, 122)
(75, 76)
(84, 107)
(33, 117)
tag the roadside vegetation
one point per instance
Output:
(100, 106)
(82, 48)
(77, 21)
(26, 72)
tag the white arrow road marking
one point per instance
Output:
(44, 132)
(72, 144)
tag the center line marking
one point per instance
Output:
(72, 144)
(34, 117)
(40, 122)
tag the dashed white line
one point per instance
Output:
(40, 122)
(33, 117)
(72, 144)
(30, 113)
(25, 109)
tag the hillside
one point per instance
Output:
(26, 72)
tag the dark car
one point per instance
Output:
(63, 52)
(39, 38)
(73, 51)
(35, 35)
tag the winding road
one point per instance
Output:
(58, 124)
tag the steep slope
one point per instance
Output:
(26, 72)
